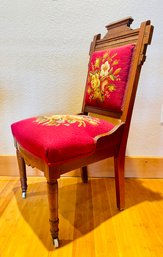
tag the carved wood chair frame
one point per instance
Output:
(112, 145)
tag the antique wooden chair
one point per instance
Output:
(56, 144)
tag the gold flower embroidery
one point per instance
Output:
(67, 120)
(95, 82)
(102, 77)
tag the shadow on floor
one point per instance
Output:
(82, 207)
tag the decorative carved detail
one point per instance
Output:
(119, 26)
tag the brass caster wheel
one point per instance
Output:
(23, 195)
(56, 242)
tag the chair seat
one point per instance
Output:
(60, 138)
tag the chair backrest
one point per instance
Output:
(114, 69)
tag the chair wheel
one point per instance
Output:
(23, 195)
(56, 242)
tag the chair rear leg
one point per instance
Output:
(52, 187)
(119, 163)
(84, 174)
(22, 173)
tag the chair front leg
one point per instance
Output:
(22, 172)
(119, 163)
(52, 187)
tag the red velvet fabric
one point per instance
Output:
(107, 77)
(59, 138)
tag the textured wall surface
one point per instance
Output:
(44, 48)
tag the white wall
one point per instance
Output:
(43, 62)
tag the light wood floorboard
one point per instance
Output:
(90, 224)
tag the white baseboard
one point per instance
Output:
(138, 167)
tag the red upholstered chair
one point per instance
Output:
(56, 144)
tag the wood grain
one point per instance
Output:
(90, 224)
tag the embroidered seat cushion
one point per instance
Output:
(59, 138)
(107, 77)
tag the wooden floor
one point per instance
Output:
(90, 224)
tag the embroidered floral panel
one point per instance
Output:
(107, 77)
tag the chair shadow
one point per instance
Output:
(82, 207)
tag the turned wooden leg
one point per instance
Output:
(84, 174)
(119, 163)
(52, 187)
(22, 172)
